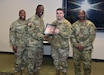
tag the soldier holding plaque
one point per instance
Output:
(49, 29)
(59, 41)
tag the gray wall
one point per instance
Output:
(9, 13)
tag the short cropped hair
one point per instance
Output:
(21, 11)
(39, 6)
(61, 9)
(82, 10)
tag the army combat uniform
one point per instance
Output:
(83, 33)
(35, 43)
(17, 37)
(60, 45)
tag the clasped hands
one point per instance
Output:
(79, 47)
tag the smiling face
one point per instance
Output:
(22, 14)
(59, 14)
(40, 10)
(81, 15)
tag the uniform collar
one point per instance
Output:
(60, 21)
(36, 16)
(21, 21)
(83, 23)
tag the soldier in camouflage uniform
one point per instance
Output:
(35, 41)
(60, 43)
(17, 41)
(83, 35)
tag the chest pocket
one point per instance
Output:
(20, 29)
(85, 30)
(61, 27)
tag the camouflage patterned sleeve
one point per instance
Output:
(73, 38)
(36, 35)
(40, 32)
(66, 32)
(34, 31)
(12, 34)
(91, 37)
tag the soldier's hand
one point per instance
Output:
(78, 46)
(29, 24)
(14, 48)
(56, 31)
(46, 36)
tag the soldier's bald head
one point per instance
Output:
(81, 11)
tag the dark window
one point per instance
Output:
(93, 8)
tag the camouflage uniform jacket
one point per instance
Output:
(61, 40)
(17, 33)
(83, 33)
(35, 31)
